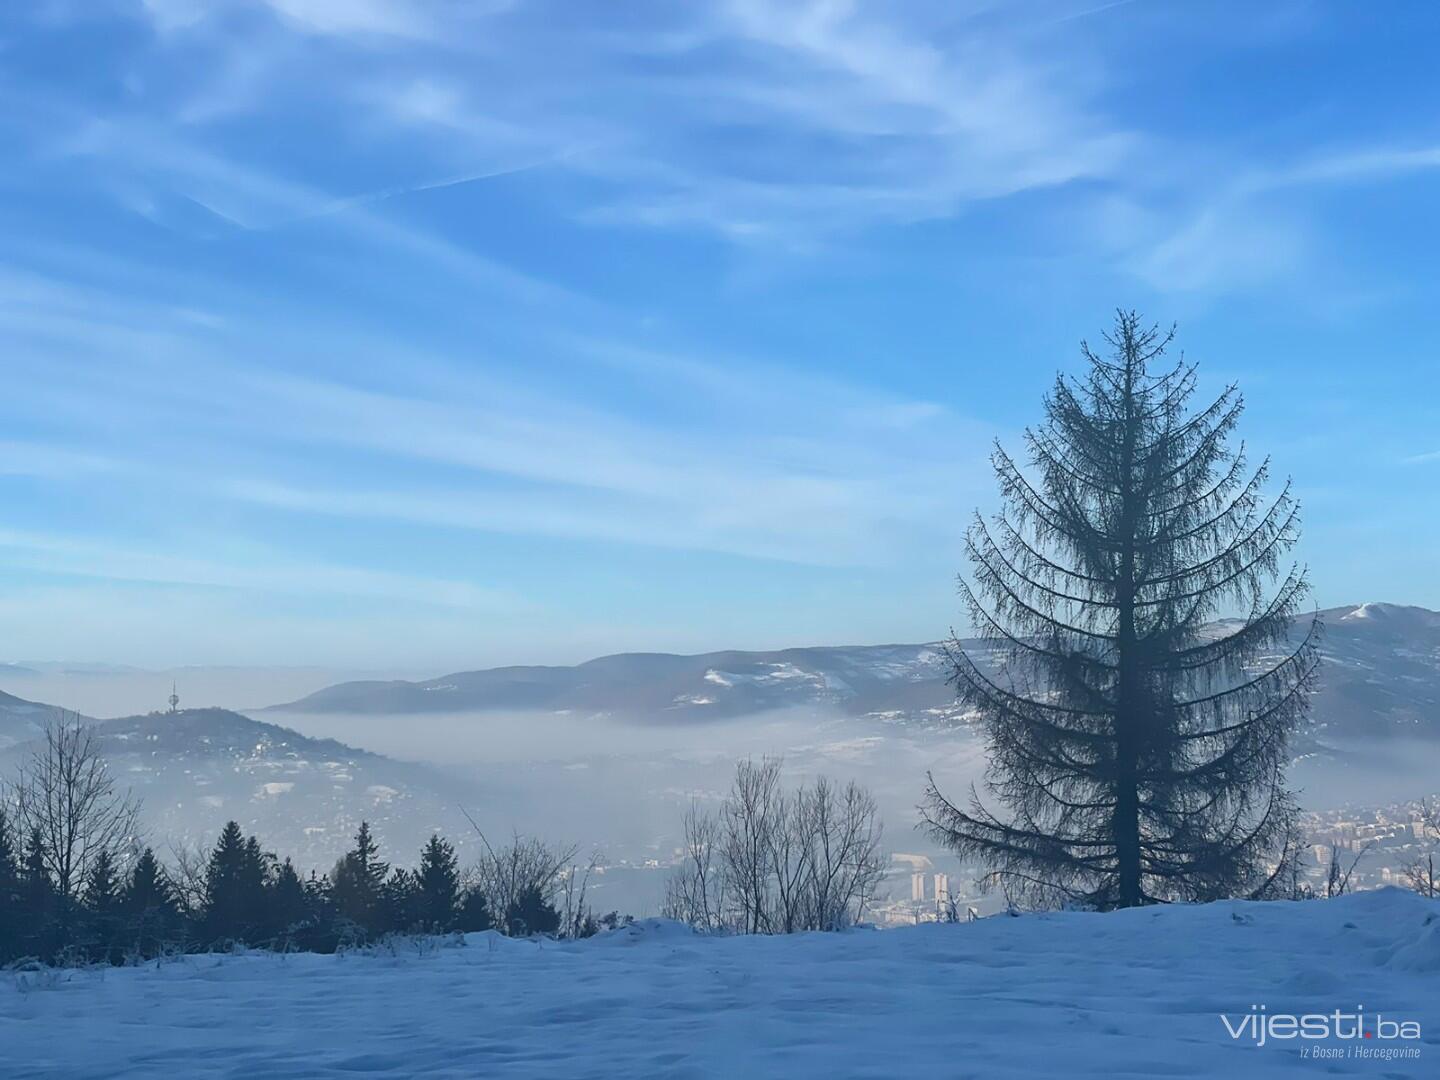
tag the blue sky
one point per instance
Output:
(383, 333)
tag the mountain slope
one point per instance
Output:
(1382, 671)
(666, 686)
(1381, 674)
(21, 720)
(197, 768)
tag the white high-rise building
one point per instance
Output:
(917, 886)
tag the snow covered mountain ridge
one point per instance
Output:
(1381, 674)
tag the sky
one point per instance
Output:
(407, 333)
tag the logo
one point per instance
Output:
(1261, 1026)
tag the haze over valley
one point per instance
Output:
(608, 754)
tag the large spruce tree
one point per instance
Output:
(1137, 746)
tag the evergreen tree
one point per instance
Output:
(150, 911)
(9, 861)
(474, 912)
(100, 926)
(256, 873)
(319, 930)
(289, 905)
(317, 890)
(400, 902)
(438, 885)
(1139, 753)
(530, 913)
(41, 932)
(234, 902)
(358, 884)
(36, 887)
(366, 858)
(102, 886)
(12, 909)
(148, 889)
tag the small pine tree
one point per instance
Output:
(102, 886)
(11, 891)
(289, 905)
(439, 885)
(400, 902)
(258, 872)
(321, 931)
(41, 935)
(234, 881)
(9, 861)
(150, 911)
(149, 889)
(530, 913)
(38, 889)
(100, 924)
(366, 856)
(474, 912)
(317, 890)
(357, 887)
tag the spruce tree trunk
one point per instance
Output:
(1129, 713)
(1129, 720)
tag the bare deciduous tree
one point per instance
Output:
(772, 861)
(696, 893)
(576, 918)
(529, 867)
(843, 834)
(1337, 880)
(506, 874)
(187, 874)
(1421, 872)
(66, 794)
(749, 822)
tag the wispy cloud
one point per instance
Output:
(346, 288)
(775, 125)
(267, 572)
(864, 117)
(786, 466)
(341, 18)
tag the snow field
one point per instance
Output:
(1128, 994)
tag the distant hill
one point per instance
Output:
(1382, 671)
(1381, 675)
(197, 768)
(22, 720)
(663, 686)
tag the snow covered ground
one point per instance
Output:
(1131, 994)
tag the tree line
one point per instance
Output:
(76, 886)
